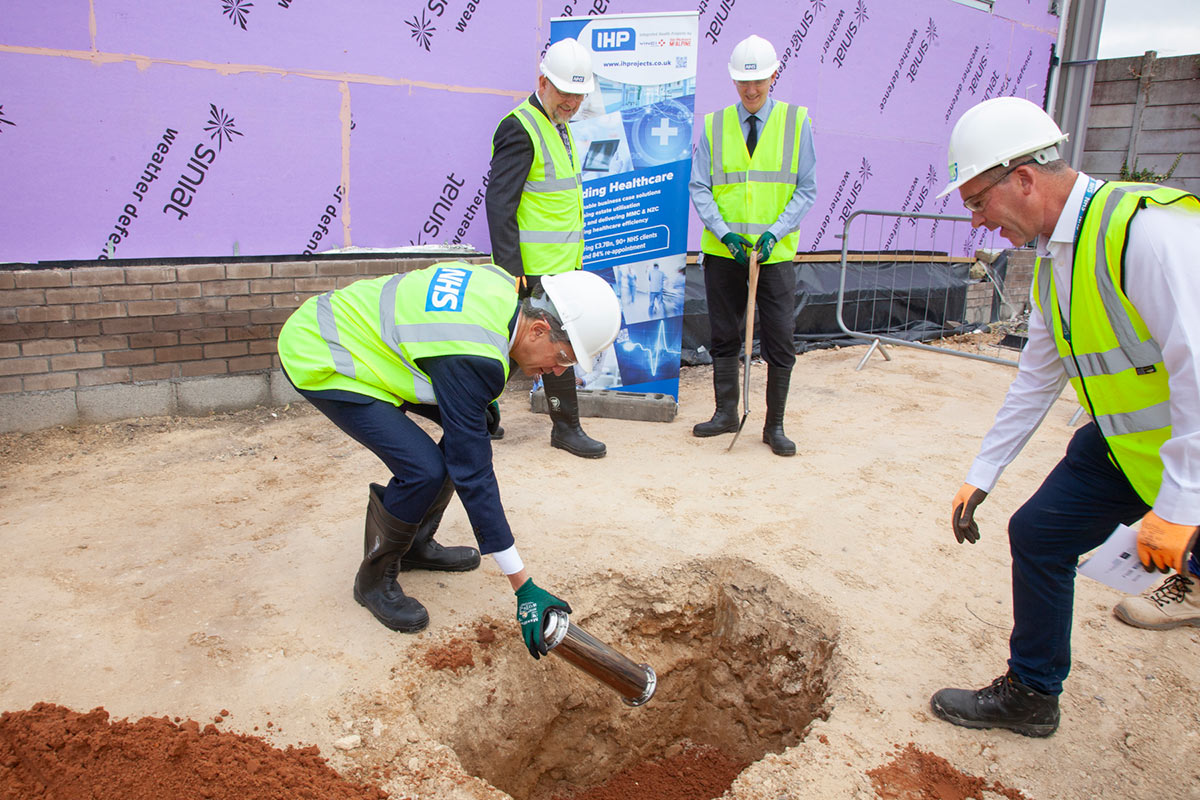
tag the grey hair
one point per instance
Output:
(540, 306)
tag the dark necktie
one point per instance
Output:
(566, 140)
(752, 136)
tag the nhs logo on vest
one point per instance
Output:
(613, 39)
(448, 289)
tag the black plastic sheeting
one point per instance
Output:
(903, 300)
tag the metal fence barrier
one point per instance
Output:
(904, 280)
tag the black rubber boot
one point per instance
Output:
(386, 541)
(778, 380)
(725, 389)
(425, 553)
(1006, 703)
(563, 402)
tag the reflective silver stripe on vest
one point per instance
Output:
(422, 388)
(752, 229)
(785, 175)
(1147, 419)
(393, 334)
(508, 276)
(549, 237)
(1119, 359)
(1117, 317)
(425, 332)
(343, 362)
(556, 185)
(552, 182)
(1131, 353)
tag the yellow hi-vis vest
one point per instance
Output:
(752, 191)
(550, 216)
(1103, 344)
(367, 337)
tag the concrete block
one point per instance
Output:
(282, 391)
(616, 404)
(229, 393)
(124, 401)
(31, 411)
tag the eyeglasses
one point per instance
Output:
(564, 359)
(977, 202)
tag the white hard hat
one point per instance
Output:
(753, 59)
(569, 67)
(994, 133)
(588, 310)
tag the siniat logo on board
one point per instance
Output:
(609, 39)
(447, 289)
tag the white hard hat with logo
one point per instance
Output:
(994, 133)
(588, 310)
(753, 59)
(568, 65)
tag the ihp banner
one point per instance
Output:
(634, 134)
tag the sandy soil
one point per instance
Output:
(188, 567)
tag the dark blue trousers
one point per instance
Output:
(416, 462)
(1076, 508)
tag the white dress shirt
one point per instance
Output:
(1162, 280)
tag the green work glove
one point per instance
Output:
(765, 244)
(737, 248)
(533, 603)
(493, 420)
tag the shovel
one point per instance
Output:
(749, 345)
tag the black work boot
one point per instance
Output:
(425, 553)
(563, 402)
(725, 389)
(386, 541)
(1006, 703)
(777, 393)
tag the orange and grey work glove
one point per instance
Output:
(963, 513)
(1163, 545)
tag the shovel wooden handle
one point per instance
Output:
(750, 327)
(753, 287)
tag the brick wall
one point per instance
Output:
(97, 343)
(982, 296)
(91, 344)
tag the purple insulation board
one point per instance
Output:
(205, 128)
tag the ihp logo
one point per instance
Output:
(613, 39)
(447, 289)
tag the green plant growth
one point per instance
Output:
(1147, 175)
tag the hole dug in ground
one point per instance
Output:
(743, 665)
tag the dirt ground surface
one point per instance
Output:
(799, 612)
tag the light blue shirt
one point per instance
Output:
(700, 186)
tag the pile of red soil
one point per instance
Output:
(918, 775)
(699, 772)
(54, 753)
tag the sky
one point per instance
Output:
(1131, 27)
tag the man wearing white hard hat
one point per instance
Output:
(534, 206)
(1116, 312)
(439, 342)
(754, 177)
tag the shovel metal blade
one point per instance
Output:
(738, 432)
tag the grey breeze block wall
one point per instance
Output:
(90, 344)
